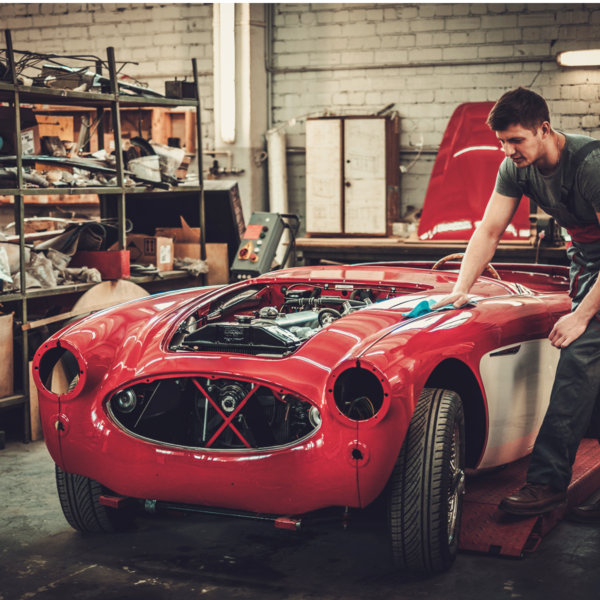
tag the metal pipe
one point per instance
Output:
(99, 114)
(403, 150)
(116, 126)
(268, 58)
(19, 212)
(203, 277)
(437, 63)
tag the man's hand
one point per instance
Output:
(567, 329)
(456, 298)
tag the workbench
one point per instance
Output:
(364, 250)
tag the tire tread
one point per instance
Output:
(79, 499)
(418, 493)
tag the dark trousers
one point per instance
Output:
(575, 400)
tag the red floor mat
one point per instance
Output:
(487, 529)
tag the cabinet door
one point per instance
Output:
(324, 176)
(364, 176)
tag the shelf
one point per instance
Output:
(4, 202)
(164, 276)
(13, 400)
(40, 95)
(117, 105)
(65, 191)
(45, 108)
(82, 287)
(46, 292)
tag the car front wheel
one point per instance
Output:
(79, 499)
(427, 485)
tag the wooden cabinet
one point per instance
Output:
(352, 175)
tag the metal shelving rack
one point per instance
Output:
(16, 94)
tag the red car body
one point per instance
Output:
(494, 353)
(463, 179)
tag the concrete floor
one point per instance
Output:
(41, 557)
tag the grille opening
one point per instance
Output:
(177, 412)
(59, 371)
(358, 394)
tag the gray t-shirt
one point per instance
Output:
(546, 188)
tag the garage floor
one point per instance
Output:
(41, 557)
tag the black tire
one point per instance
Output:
(427, 485)
(79, 499)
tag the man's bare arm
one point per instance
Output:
(568, 328)
(482, 246)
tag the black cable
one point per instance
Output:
(293, 233)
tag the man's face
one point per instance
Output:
(521, 145)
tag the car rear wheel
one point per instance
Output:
(427, 485)
(79, 499)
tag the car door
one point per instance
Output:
(517, 377)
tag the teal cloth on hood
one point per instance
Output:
(424, 307)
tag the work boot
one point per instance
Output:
(587, 514)
(534, 499)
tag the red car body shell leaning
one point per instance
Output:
(463, 179)
(128, 344)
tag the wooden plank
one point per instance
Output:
(396, 242)
(65, 316)
(16, 400)
(347, 242)
(190, 132)
(161, 125)
(6, 355)
(55, 125)
(178, 126)
(34, 409)
(218, 264)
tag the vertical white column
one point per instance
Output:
(250, 105)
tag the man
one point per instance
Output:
(546, 166)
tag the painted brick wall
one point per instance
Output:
(161, 38)
(322, 35)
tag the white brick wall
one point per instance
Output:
(358, 35)
(162, 38)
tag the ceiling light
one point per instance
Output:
(579, 58)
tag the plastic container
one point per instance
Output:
(147, 167)
(170, 158)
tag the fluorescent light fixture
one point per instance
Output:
(579, 58)
(227, 71)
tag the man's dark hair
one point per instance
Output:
(519, 107)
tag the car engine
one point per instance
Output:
(270, 330)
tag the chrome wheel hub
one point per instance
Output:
(456, 485)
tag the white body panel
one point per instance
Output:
(517, 387)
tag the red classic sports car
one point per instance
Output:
(303, 389)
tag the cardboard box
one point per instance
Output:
(217, 260)
(151, 250)
(111, 264)
(30, 134)
(181, 235)
(187, 245)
